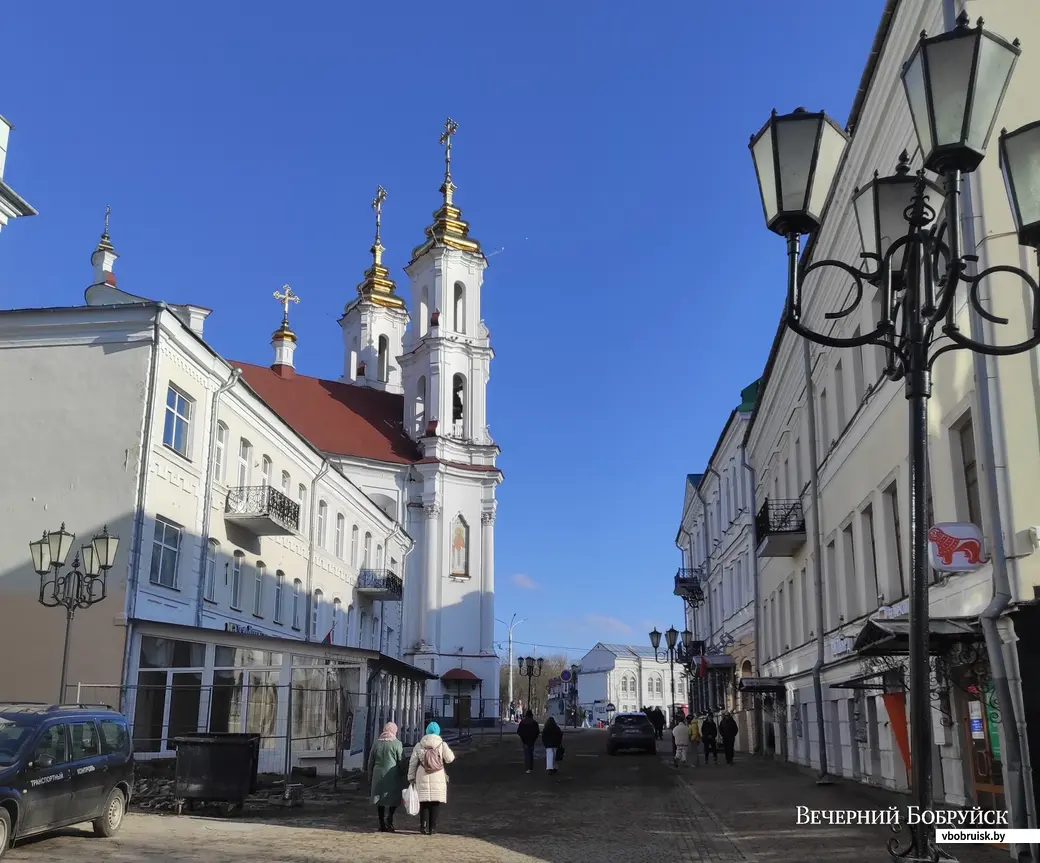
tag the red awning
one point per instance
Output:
(460, 675)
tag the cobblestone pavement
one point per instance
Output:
(631, 808)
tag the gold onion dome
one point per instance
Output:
(378, 287)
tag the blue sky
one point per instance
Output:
(602, 147)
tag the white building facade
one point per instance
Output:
(12, 205)
(623, 678)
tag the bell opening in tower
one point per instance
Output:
(458, 405)
(384, 359)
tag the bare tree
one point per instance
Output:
(552, 667)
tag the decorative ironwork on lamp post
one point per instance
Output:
(913, 257)
(530, 668)
(84, 585)
(672, 652)
(575, 668)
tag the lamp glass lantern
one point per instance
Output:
(60, 543)
(89, 556)
(529, 663)
(796, 158)
(105, 546)
(41, 555)
(1020, 165)
(655, 638)
(955, 83)
(687, 640)
(540, 662)
(671, 636)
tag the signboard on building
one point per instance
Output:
(244, 629)
(975, 714)
(955, 546)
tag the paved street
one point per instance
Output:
(630, 808)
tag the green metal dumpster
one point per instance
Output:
(218, 768)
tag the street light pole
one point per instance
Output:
(916, 265)
(530, 668)
(509, 626)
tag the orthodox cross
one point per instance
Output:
(285, 298)
(377, 205)
(450, 128)
(108, 212)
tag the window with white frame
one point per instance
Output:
(624, 684)
(362, 620)
(245, 462)
(211, 570)
(379, 556)
(350, 624)
(337, 613)
(367, 552)
(301, 497)
(657, 685)
(258, 590)
(323, 517)
(341, 526)
(177, 429)
(265, 471)
(353, 545)
(649, 686)
(286, 483)
(220, 453)
(319, 598)
(279, 592)
(297, 600)
(166, 547)
(236, 581)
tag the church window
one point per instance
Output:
(459, 548)
(245, 462)
(384, 358)
(341, 527)
(458, 403)
(366, 560)
(424, 311)
(459, 308)
(353, 545)
(178, 420)
(420, 407)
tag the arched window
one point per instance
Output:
(384, 358)
(424, 311)
(361, 629)
(245, 461)
(316, 612)
(323, 515)
(265, 471)
(459, 308)
(374, 642)
(279, 590)
(379, 556)
(286, 483)
(350, 624)
(337, 612)
(649, 686)
(301, 497)
(458, 403)
(341, 527)
(366, 560)
(657, 685)
(353, 545)
(297, 597)
(236, 581)
(459, 548)
(624, 684)
(211, 570)
(420, 406)
(220, 453)
(258, 589)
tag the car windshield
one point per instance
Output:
(14, 735)
(637, 721)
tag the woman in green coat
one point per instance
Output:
(385, 775)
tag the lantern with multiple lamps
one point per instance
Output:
(530, 668)
(83, 585)
(674, 649)
(912, 256)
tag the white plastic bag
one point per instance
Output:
(410, 800)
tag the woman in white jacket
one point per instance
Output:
(426, 771)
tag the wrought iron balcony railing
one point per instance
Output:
(688, 586)
(383, 584)
(780, 527)
(262, 509)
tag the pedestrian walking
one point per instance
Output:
(695, 738)
(681, 736)
(657, 718)
(426, 770)
(552, 740)
(384, 773)
(709, 733)
(528, 732)
(728, 733)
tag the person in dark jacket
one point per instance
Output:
(552, 740)
(728, 733)
(528, 732)
(709, 734)
(657, 718)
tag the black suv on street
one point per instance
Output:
(631, 731)
(62, 764)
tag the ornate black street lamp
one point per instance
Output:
(77, 588)
(672, 652)
(530, 668)
(916, 264)
(575, 668)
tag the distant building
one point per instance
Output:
(623, 678)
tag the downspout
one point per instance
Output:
(325, 464)
(207, 498)
(134, 563)
(382, 603)
(760, 729)
(814, 496)
(991, 435)
(404, 558)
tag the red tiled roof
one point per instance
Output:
(335, 417)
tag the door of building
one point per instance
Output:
(980, 720)
(462, 711)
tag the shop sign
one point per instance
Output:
(975, 714)
(243, 629)
(955, 546)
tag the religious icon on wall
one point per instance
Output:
(459, 547)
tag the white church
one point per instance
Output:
(277, 531)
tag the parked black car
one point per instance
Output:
(62, 764)
(631, 731)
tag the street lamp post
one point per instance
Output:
(915, 261)
(575, 668)
(77, 588)
(671, 651)
(530, 668)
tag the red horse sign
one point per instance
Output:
(955, 547)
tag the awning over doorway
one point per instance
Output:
(871, 682)
(761, 684)
(460, 675)
(892, 636)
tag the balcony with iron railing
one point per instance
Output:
(262, 510)
(383, 585)
(688, 586)
(780, 528)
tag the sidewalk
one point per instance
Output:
(755, 803)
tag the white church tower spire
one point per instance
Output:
(374, 324)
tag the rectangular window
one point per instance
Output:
(972, 509)
(839, 396)
(85, 740)
(286, 482)
(340, 527)
(220, 453)
(825, 425)
(115, 738)
(177, 429)
(166, 546)
(265, 471)
(245, 462)
(258, 591)
(774, 626)
(873, 588)
(830, 583)
(211, 572)
(807, 623)
(781, 629)
(848, 547)
(301, 497)
(236, 582)
(279, 589)
(896, 581)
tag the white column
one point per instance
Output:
(431, 530)
(487, 581)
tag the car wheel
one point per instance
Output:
(112, 815)
(5, 830)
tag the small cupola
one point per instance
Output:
(283, 340)
(104, 257)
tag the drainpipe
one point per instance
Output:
(814, 495)
(134, 562)
(207, 497)
(404, 558)
(325, 464)
(382, 603)
(760, 729)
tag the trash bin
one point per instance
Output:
(216, 768)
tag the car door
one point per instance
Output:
(47, 780)
(89, 771)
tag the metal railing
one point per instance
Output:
(780, 516)
(381, 579)
(263, 500)
(688, 582)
